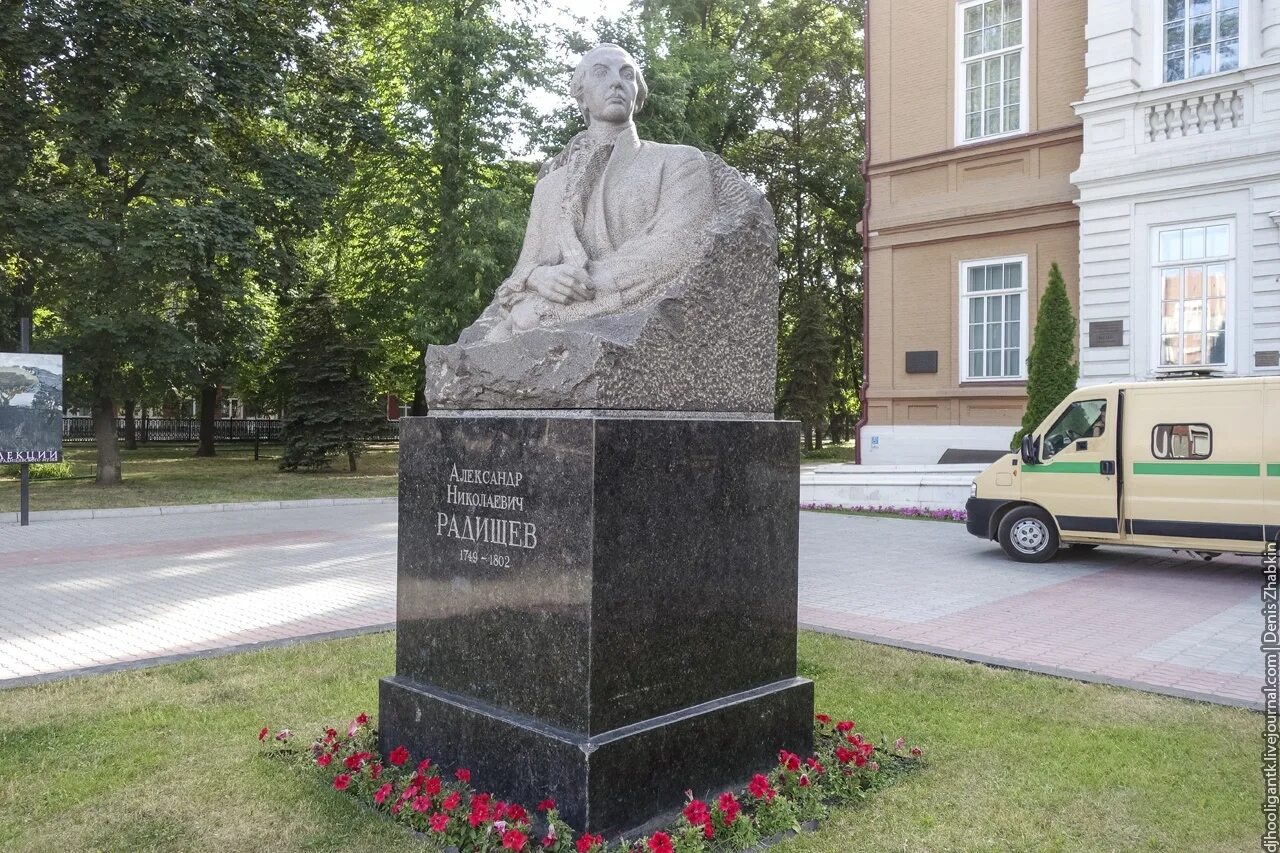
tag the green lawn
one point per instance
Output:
(160, 475)
(165, 759)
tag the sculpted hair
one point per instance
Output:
(578, 81)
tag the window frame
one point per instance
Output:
(1024, 312)
(957, 68)
(1156, 53)
(1155, 266)
(1193, 457)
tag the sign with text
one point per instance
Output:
(30, 407)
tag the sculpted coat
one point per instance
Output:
(632, 228)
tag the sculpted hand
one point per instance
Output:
(562, 284)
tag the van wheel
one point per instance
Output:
(1029, 535)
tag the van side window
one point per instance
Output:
(1082, 419)
(1181, 441)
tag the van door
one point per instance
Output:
(1195, 465)
(1076, 479)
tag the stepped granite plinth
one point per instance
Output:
(598, 608)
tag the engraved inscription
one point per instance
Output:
(497, 494)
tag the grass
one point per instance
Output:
(165, 759)
(171, 474)
(829, 453)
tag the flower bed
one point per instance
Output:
(895, 511)
(452, 816)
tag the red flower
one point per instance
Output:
(330, 734)
(439, 822)
(423, 765)
(375, 771)
(789, 760)
(516, 813)
(814, 764)
(513, 839)
(708, 830)
(262, 735)
(353, 761)
(324, 760)
(382, 793)
(588, 842)
(697, 813)
(433, 785)
(549, 841)
(823, 718)
(283, 735)
(341, 781)
(916, 752)
(451, 802)
(660, 842)
(396, 808)
(398, 756)
(804, 780)
(760, 788)
(546, 805)
(729, 807)
(860, 759)
(463, 774)
(420, 804)
(362, 718)
(844, 726)
(843, 755)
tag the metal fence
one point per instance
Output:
(80, 428)
(187, 430)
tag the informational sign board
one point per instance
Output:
(30, 407)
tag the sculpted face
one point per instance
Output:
(609, 87)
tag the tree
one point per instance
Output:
(1052, 369)
(810, 369)
(331, 409)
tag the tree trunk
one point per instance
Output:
(104, 436)
(808, 436)
(130, 426)
(351, 461)
(208, 411)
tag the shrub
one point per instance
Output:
(1052, 370)
(39, 471)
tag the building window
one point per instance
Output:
(991, 68)
(993, 318)
(1193, 275)
(1200, 37)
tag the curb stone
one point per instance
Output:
(179, 509)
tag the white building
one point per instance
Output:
(1180, 189)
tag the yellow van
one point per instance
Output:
(1189, 464)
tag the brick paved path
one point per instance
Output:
(1129, 616)
(102, 593)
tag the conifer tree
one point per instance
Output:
(809, 364)
(1052, 369)
(330, 409)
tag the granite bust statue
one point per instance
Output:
(646, 280)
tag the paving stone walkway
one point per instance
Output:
(82, 596)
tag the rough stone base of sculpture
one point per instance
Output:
(707, 342)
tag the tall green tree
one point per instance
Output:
(1052, 369)
(331, 411)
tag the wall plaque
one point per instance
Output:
(922, 361)
(1106, 333)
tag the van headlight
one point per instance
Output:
(973, 489)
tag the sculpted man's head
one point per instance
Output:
(608, 85)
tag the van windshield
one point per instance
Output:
(1082, 419)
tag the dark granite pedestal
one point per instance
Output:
(601, 610)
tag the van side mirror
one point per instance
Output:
(1030, 449)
